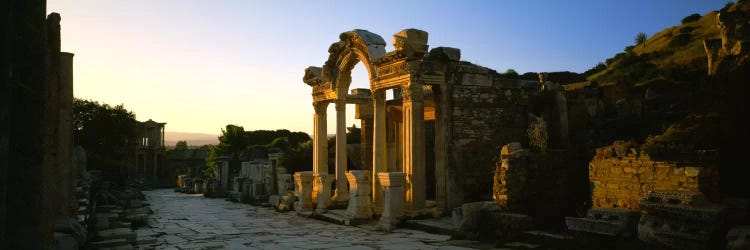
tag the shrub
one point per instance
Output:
(596, 69)
(680, 40)
(686, 29)
(691, 18)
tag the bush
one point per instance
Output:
(596, 69)
(691, 18)
(684, 137)
(686, 29)
(680, 40)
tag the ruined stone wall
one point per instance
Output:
(486, 112)
(620, 178)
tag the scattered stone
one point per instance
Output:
(606, 221)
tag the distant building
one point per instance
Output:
(150, 163)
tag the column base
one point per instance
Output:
(340, 197)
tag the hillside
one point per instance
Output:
(193, 139)
(675, 53)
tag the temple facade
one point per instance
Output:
(466, 112)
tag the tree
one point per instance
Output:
(213, 154)
(232, 139)
(181, 145)
(108, 133)
(695, 17)
(510, 73)
(640, 39)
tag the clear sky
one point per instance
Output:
(199, 65)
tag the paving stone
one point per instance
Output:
(191, 222)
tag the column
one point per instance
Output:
(379, 157)
(360, 206)
(342, 194)
(320, 138)
(393, 194)
(413, 154)
(304, 191)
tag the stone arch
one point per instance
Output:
(354, 46)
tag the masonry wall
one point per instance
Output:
(620, 179)
(485, 112)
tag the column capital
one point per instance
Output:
(412, 92)
(320, 107)
(378, 94)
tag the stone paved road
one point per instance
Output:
(183, 221)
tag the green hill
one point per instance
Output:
(676, 54)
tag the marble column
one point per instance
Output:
(320, 138)
(393, 187)
(323, 183)
(379, 157)
(320, 142)
(342, 194)
(304, 182)
(413, 154)
(360, 206)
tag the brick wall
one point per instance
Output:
(620, 178)
(486, 113)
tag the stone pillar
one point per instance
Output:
(54, 176)
(65, 143)
(413, 155)
(393, 187)
(323, 183)
(360, 206)
(320, 138)
(379, 157)
(341, 193)
(304, 191)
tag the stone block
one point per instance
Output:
(322, 184)
(360, 205)
(412, 42)
(606, 221)
(304, 182)
(393, 199)
(738, 238)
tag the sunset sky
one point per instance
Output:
(199, 65)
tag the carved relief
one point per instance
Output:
(412, 92)
(398, 68)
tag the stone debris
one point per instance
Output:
(606, 221)
(684, 220)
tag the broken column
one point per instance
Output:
(304, 191)
(323, 183)
(360, 206)
(511, 191)
(393, 199)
